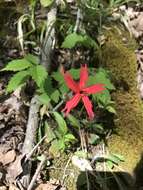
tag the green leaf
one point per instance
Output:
(38, 74)
(55, 148)
(49, 132)
(103, 98)
(120, 157)
(69, 138)
(32, 58)
(89, 42)
(75, 73)
(46, 86)
(58, 77)
(63, 89)
(62, 145)
(94, 139)
(71, 40)
(103, 78)
(46, 3)
(55, 96)
(98, 128)
(111, 109)
(17, 65)
(44, 99)
(18, 79)
(115, 158)
(62, 126)
(109, 164)
(73, 121)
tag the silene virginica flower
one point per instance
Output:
(80, 91)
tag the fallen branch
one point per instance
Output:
(29, 141)
(33, 119)
(32, 125)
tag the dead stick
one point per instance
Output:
(33, 118)
(35, 147)
(37, 173)
(32, 125)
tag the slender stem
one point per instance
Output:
(35, 147)
(37, 173)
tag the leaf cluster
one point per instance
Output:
(59, 137)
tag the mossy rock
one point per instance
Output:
(119, 57)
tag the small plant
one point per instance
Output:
(81, 91)
(52, 100)
(25, 68)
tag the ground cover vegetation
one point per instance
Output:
(57, 74)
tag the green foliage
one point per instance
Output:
(101, 76)
(44, 99)
(49, 132)
(46, 3)
(60, 138)
(114, 159)
(55, 96)
(74, 39)
(17, 80)
(38, 74)
(61, 123)
(117, 3)
(27, 67)
(73, 121)
(32, 59)
(17, 65)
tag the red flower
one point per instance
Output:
(81, 91)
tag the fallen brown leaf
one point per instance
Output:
(8, 157)
(3, 188)
(47, 186)
(15, 169)
(12, 187)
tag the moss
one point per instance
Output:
(120, 59)
(65, 171)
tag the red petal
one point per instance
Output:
(72, 103)
(70, 82)
(83, 76)
(94, 89)
(88, 106)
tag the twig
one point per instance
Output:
(35, 147)
(58, 105)
(87, 180)
(65, 169)
(55, 168)
(37, 173)
(78, 20)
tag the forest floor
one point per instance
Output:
(14, 113)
